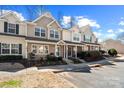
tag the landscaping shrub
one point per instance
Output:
(90, 55)
(102, 52)
(10, 58)
(112, 52)
(75, 60)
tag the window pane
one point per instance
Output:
(5, 48)
(46, 49)
(15, 48)
(12, 28)
(56, 34)
(43, 32)
(37, 32)
(52, 33)
(34, 48)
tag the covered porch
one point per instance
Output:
(68, 49)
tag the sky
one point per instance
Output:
(106, 21)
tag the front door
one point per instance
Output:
(58, 51)
(69, 51)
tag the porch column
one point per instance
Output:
(26, 51)
(66, 51)
(55, 49)
(76, 51)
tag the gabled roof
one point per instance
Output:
(8, 13)
(85, 27)
(49, 15)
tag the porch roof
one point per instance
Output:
(70, 42)
(90, 43)
(41, 39)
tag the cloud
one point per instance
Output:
(19, 15)
(121, 23)
(110, 31)
(82, 21)
(66, 19)
(97, 34)
(120, 30)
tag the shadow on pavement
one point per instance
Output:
(85, 69)
(118, 60)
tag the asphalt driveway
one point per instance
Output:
(108, 76)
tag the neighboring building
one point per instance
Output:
(110, 43)
(43, 36)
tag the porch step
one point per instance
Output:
(68, 61)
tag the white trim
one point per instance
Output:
(37, 48)
(43, 16)
(9, 28)
(53, 38)
(9, 49)
(40, 31)
(39, 42)
(10, 12)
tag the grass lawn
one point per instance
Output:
(10, 84)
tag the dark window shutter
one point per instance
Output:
(17, 28)
(20, 48)
(5, 26)
(0, 48)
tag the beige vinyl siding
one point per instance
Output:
(12, 19)
(14, 40)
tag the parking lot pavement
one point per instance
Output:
(108, 76)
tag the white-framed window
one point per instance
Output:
(40, 32)
(76, 37)
(40, 49)
(5, 48)
(11, 28)
(37, 32)
(34, 49)
(46, 49)
(14, 48)
(87, 38)
(54, 34)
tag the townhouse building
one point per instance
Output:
(43, 36)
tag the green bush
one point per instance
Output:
(102, 52)
(112, 52)
(10, 57)
(85, 54)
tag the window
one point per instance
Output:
(5, 48)
(34, 48)
(54, 34)
(40, 32)
(76, 37)
(45, 49)
(11, 28)
(40, 49)
(37, 32)
(14, 48)
(87, 38)
(43, 32)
